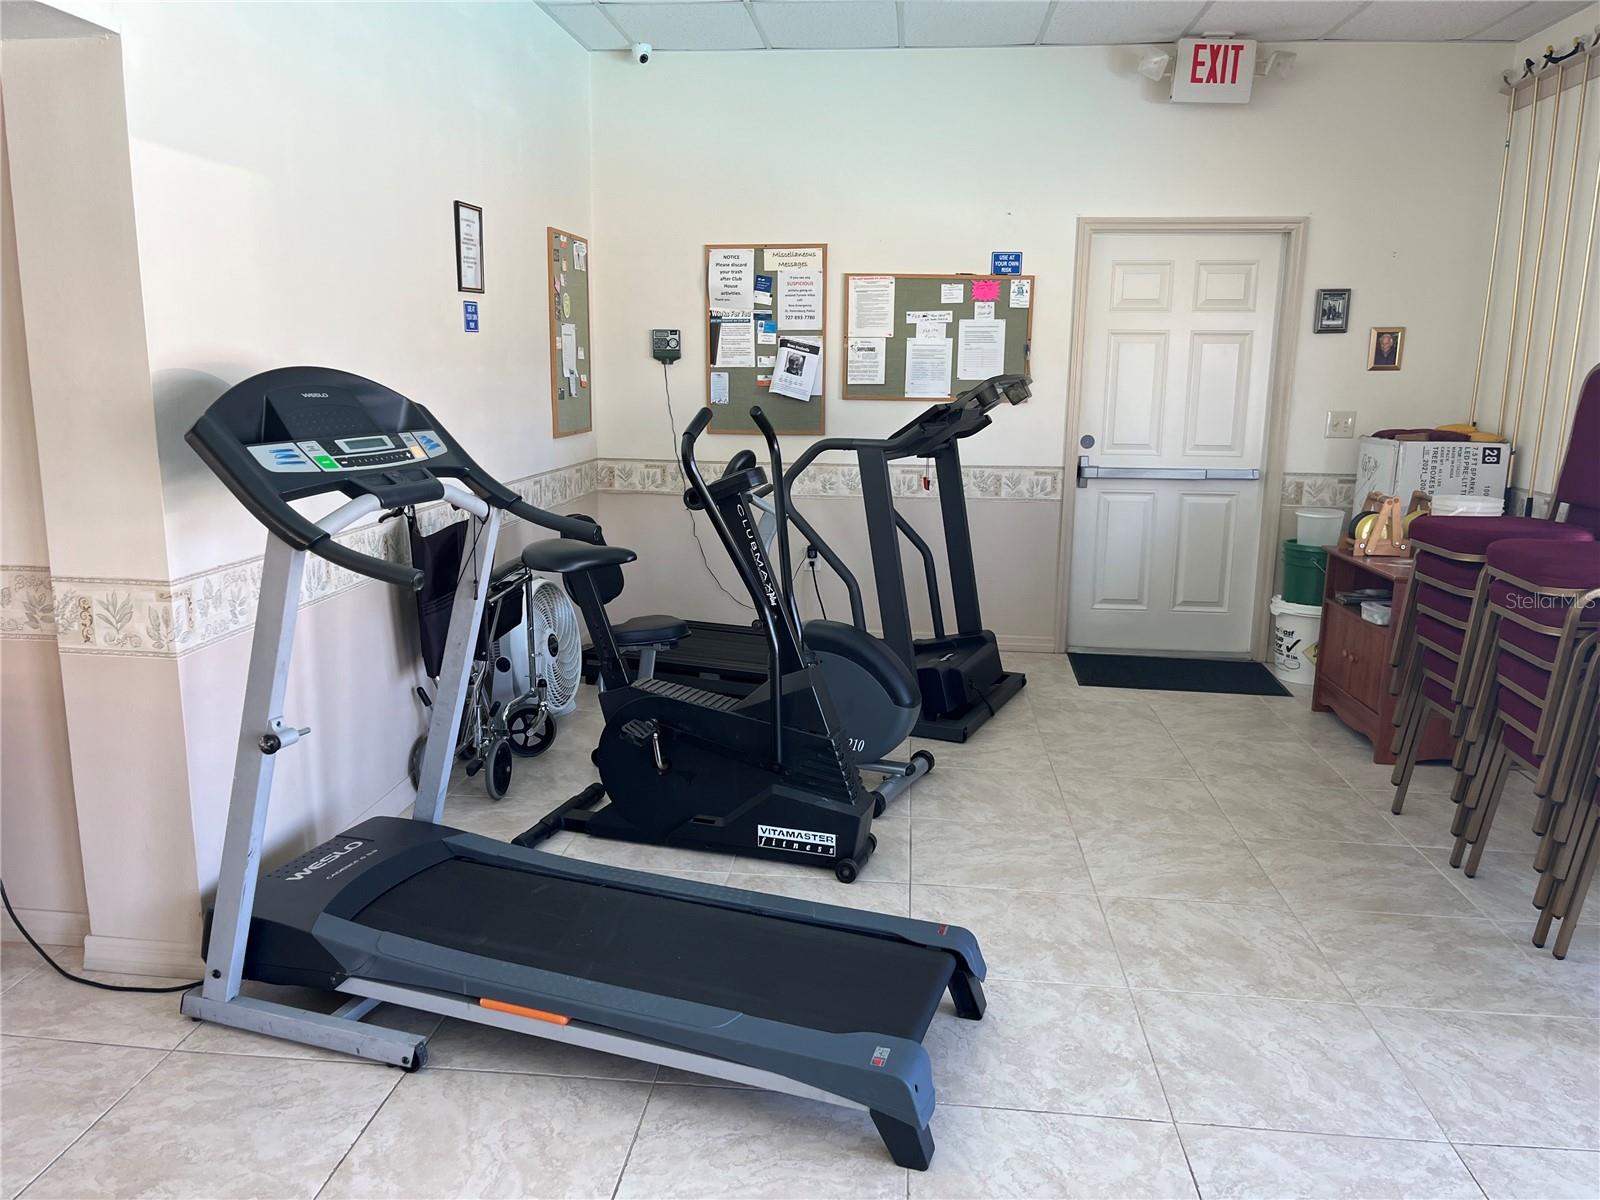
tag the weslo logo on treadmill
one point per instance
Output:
(806, 841)
(306, 871)
(314, 395)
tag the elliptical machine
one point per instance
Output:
(770, 774)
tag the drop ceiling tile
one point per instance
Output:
(828, 24)
(1274, 20)
(1529, 21)
(1423, 20)
(588, 25)
(1114, 23)
(695, 26)
(973, 22)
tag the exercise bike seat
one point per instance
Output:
(657, 629)
(872, 654)
(565, 556)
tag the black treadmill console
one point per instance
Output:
(962, 417)
(304, 431)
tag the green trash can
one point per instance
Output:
(1304, 569)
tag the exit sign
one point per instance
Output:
(1214, 71)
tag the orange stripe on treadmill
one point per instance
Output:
(538, 1014)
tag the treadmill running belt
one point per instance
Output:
(804, 975)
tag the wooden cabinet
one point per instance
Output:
(1353, 657)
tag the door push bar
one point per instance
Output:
(1087, 472)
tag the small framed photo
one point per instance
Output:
(469, 247)
(1333, 311)
(1387, 345)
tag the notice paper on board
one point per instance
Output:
(799, 299)
(569, 349)
(928, 368)
(795, 374)
(794, 258)
(952, 293)
(1021, 293)
(864, 359)
(730, 278)
(871, 306)
(719, 387)
(983, 349)
(734, 339)
(767, 333)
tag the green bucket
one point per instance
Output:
(1303, 570)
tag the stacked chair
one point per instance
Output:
(1538, 605)
(1497, 637)
(1571, 845)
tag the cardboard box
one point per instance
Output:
(1437, 468)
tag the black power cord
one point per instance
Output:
(694, 526)
(66, 974)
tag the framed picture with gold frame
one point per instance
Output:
(1385, 347)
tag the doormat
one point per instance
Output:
(1227, 676)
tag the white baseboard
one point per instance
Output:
(137, 956)
(48, 926)
(1027, 643)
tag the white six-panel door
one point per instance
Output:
(1176, 377)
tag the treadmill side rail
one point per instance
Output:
(891, 1075)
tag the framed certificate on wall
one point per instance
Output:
(469, 247)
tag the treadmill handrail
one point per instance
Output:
(930, 571)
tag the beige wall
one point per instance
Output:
(1072, 132)
(287, 181)
(39, 853)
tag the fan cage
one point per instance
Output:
(551, 612)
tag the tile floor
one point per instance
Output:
(1218, 966)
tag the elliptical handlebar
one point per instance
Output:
(758, 594)
(780, 511)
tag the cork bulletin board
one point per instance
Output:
(922, 301)
(787, 295)
(571, 348)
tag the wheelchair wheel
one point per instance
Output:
(497, 766)
(530, 729)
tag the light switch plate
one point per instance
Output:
(1341, 424)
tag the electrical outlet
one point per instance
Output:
(666, 345)
(1341, 424)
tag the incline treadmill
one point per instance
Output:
(963, 683)
(960, 674)
(817, 1001)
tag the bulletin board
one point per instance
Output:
(571, 347)
(927, 294)
(748, 386)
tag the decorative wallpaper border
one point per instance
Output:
(155, 618)
(1327, 491)
(662, 477)
(165, 619)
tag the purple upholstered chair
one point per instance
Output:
(1538, 603)
(1433, 639)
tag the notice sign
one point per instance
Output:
(1214, 71)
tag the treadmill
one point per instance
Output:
(960, 674)
(809, 999)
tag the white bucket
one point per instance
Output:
(1296, 629)
(1318, 526)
